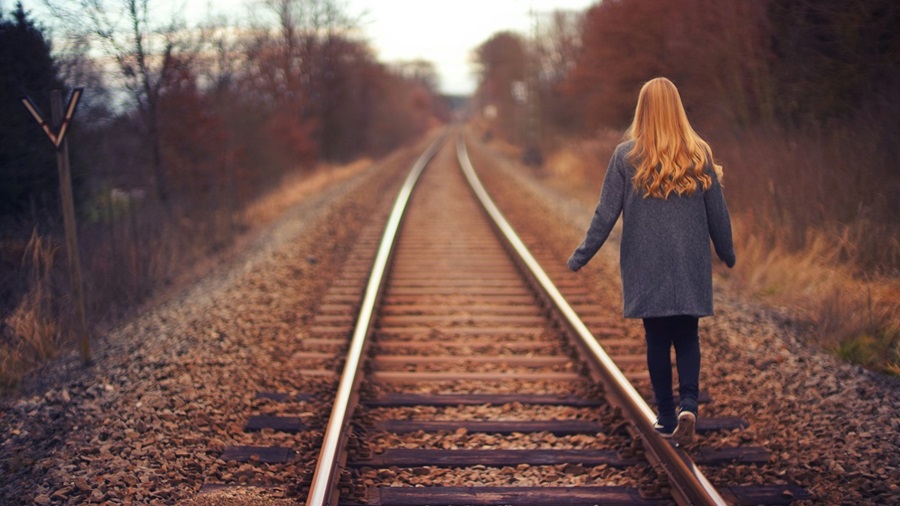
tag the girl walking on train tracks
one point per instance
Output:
(665, 183)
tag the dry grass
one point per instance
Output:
(32, 333)
(295, 187)
(855, 310)
(581, 165)
(130, 261)
(855, 318)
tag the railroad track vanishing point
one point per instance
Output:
(470, 378)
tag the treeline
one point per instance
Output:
(180, 128)
(797, 97)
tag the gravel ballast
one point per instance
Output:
(171, 388)
(832, 427)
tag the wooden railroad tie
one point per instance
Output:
(569, 496)
(419, 457)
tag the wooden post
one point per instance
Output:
(68, 208)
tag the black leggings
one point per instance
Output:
(662, 333)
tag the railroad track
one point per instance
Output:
(469, 378)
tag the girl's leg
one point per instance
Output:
(687, 358)
(659, 363)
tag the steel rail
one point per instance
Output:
(691, 486)
(324, 480)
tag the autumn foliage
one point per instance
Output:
(181, 129)
(798, 99)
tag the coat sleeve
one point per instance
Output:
(719, 222)
(612, 198)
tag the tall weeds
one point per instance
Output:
(810, 231)
(855, 317)
(816, 229)
(130, 250)
(31, 333)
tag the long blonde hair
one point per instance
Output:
(668, 155)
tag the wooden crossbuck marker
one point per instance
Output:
(57, 131)
(55, 137)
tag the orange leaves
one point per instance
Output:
(293, 135)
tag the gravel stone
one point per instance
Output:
(173, 386)
(832, 427)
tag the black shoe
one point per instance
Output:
(687, 424)
(664, 430)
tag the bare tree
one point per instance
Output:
(142, 51)
(309, 37)
(221, 56)
(501, 63)
(553, 55)
(556, 46)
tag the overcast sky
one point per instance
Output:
(444, 32)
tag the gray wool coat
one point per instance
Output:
(665, 255)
